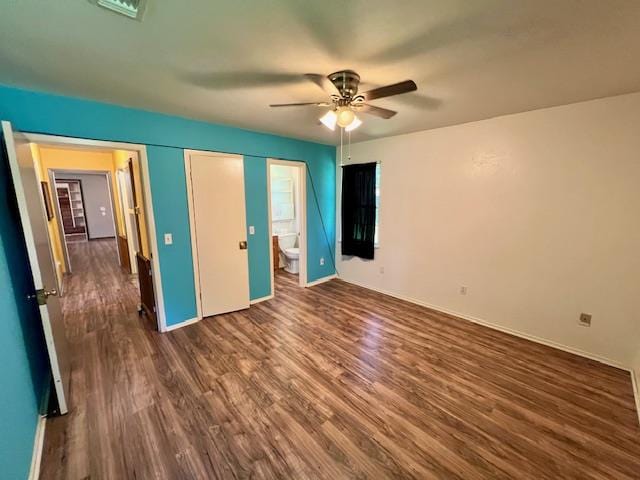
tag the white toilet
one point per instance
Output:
(288, 247)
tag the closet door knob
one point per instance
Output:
(243, 245)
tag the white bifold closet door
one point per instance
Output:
(219, 224)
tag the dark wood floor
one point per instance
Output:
(329, 382)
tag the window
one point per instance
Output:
(376, 237)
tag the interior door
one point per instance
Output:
(218, 202)
(34, 225)
(133, 200)
(128, 210)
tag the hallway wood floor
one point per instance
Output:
(329, 382)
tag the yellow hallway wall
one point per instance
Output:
(52, 225)
(82, 159)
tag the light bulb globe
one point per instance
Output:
(345, 116)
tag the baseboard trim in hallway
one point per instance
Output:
(480, 321)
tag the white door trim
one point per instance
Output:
(148, 200)
(302, 172)
(192, 232)
(192, 220)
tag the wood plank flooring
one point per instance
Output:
(329, 382)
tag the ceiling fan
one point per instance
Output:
(346, 101)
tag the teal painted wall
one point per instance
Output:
(170, 211)
(256, 200)
(25, 374)
(24, 371)
(166, 137)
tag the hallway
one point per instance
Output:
(98, 292)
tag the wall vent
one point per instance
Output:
(129, 8)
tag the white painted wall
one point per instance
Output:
(538, 214)
(278, 173)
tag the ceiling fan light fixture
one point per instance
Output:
(345, 117)
(353, 125)
(329, 120)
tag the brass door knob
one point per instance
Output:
(243, 245)
(42, 294)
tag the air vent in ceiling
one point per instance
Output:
(129, 8)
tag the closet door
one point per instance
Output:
(219, 223)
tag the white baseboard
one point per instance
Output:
(526, 336)
(635, 381)
(321, 280)
(261, 299)
(186, 323)
(38, 445)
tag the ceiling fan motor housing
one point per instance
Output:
(346, 81)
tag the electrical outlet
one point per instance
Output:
(252, 230)
(585, 319)
(382, 270)
(322, 261)
(463, 290)
(168, 239)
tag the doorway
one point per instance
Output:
(84, 207)
(96, 295)
(286, 184)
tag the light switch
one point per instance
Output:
(252, 230)
(168, 239)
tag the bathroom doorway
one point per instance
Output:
(287, 221)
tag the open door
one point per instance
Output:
(36, 235)
(145, 272)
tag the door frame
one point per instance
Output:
(302, 187)
(109, 179)
(141, 150)
(192, 221)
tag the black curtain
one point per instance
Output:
(358, 209)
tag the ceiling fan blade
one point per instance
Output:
(316, 104)
(324, 83)
(390, 90)
(241, 79)
(377, 111)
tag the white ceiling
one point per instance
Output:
(226, 61)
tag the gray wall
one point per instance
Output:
(98, 209)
